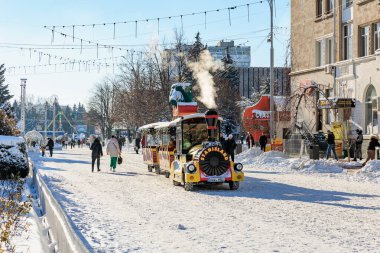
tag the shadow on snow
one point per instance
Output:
(266, 189)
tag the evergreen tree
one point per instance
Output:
(193, 56)
(4, 92)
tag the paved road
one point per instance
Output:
(134, 210)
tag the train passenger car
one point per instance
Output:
(149, 146)
(165, 136)
(190, 151)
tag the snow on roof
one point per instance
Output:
(10, 140)
(166, 124)
(152, 125)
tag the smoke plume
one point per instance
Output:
(202, 73)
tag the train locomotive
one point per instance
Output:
(189, 152)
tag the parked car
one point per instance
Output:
(13, 157)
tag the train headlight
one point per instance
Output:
(191, 168)
(238, 166)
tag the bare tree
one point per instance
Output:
(102, 107)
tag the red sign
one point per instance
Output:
(256, 118)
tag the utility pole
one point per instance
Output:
(54, 116)
(23, 103)
(46, 109)
(271, 125)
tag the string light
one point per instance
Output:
(161, 18)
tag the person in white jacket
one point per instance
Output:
(113, 150)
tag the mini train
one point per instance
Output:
(189, 152)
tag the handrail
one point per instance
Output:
(61, 227)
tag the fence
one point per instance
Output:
(60, 227)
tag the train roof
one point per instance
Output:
(152, 125)
(159, 125)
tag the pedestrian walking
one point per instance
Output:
(50, 146)
(230, 146)
(113, 150)
(331, 145)
(252, 140)
(137, 144)
(248, 140)
(358, 145)
(120, 141)
(97, 152)
(78, 143)
(373, 143)
(263, 142)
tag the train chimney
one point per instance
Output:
(211, 120)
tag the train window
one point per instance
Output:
(194, 133)
(179, 140)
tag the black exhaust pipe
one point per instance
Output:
(212, 121)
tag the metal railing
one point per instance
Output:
(61, 231)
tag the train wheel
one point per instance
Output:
(175, 183)
(189, 186)
(149, 168)
(157, 170)
(234, 185)
(167, 174)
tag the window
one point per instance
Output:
(318, 53)
(348, 3)
(319, 8)
(370, 112)
(323, 51)
(329, 51)
(376, 36)
(329, 6)
(364, 41)
(347, 41)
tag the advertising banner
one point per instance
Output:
(337, 129)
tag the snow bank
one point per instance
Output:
(248, 155)
(372, 166)
(278, 161)
(321, 166)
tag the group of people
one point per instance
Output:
(113, 149)
(358, 142)
(49, 146)
(263, 141)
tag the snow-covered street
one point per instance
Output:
(134, 210)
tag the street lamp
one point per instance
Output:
(23, 102)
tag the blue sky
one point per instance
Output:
(22, 22)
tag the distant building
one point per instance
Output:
(251, 79)
(241, 55)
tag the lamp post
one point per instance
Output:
(23, 99)
(271, 124)
(46, 109)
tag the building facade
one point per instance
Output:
(240, 55)
(251, 80)
(336, 47)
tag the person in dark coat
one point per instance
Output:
(230, 146)
(263, 142)
(120, 141)
(358, 145)
(248, 140)
(137, 144)
(373, 143)
(50, 146)
(97, 152)
(331, 145)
